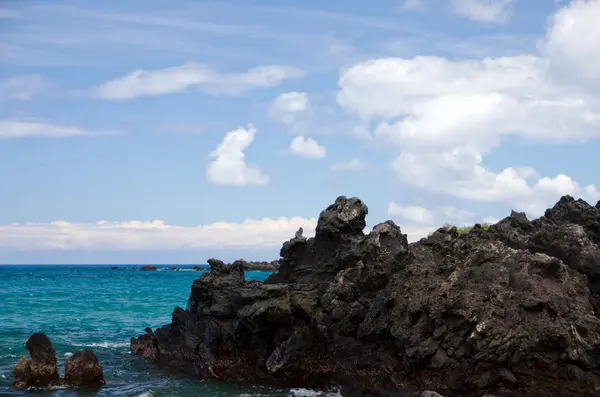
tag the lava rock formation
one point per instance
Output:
(513, 310)
(41, 371)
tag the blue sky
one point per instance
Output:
(144, 132)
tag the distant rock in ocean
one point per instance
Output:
(41, 371)
(508, 311)
(148, 268)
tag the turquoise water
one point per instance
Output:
(95, 307)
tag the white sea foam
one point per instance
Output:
(312, 393)
(145, 394)
(68, 354)
(105, 345)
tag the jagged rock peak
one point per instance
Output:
(345, 216)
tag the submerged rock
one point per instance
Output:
(83, 370)
(512, 310)
(41, 371)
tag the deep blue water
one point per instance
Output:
(95, 307)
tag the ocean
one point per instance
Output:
(96, 307)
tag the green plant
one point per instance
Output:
(465, 229)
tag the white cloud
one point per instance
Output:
(411, 213)
(442, 116)
(12, 129)
(153, 235)
(573, 40)
(21, 88)
(353, 164)
(307, 147)
(157, 235)
(290, 108)
(229, 167)
(142, 82)
(487, 11)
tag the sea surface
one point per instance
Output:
(96, 307)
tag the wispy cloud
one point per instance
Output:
(352, 165)
(22, 88)
(14, 129)
(142, 83)
(486, 11)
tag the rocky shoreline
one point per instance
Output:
(510, 311)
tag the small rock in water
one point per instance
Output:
(83, 370)
(41, 371)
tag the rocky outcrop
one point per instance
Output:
(261, 266)
(83, 370)
(41, 371)
(510, 311)
(148, 268)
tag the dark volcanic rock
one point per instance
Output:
(511, 311)
(148, 267)
(261, 266)
(198, 268)
(83, 370)
(40, 370)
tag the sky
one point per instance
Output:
(171, 132)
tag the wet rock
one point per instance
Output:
(83, 370)
(40, 370)
(148, 268)
(512, 310)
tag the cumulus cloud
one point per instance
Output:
(442, 116)
(152, 235)
(290, 108)
(229, 167)
(573, 40)
(353, 164)
(13, 129)
(487, 11)
(21, 88)
(307, 147)
(141, 82)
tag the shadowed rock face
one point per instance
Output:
(511, 311)
(40, 371)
